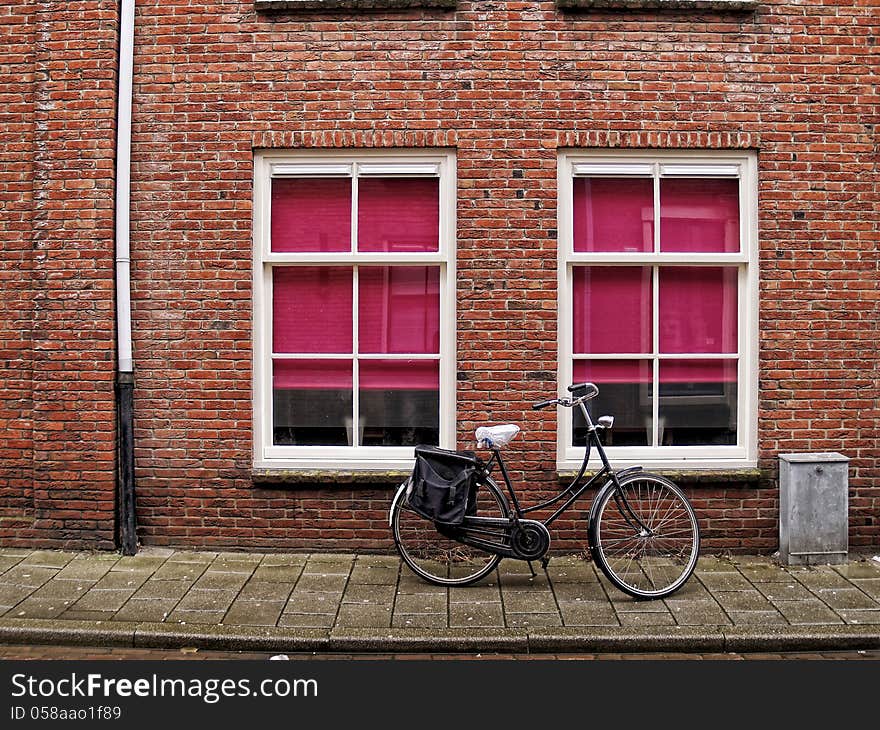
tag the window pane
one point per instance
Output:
(613, 214)
(399, 309)
(311, 214)
(697, 402)
(612, 309)
(312, 402)
(312, 309)
(698, 309)
(399, 402)
(398, 214)
(625, 392)
(700, 215)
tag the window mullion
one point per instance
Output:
(655, 348)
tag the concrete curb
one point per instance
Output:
(703, 639)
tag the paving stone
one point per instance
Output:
(588, 613)
(807, 612)
(860, 616)
(372, 575)
(526, 620)
(579, 592)
(121, 580)
(866, 569)
(756, 618)
(163, 589)
(724, 581)
(7, 562)
(86, 569)
(313, 602)
(282, 573)
(12, 594)
(307, 620)
(322, 582)
(187, 556)
(464, 615)
(635, 619)
(171, 570)
(760, 573)
(419, 620)
(820, 578)
(49, 558)
(63, 589)
(518, 601)
(258, 591)
(369, 594)
(31, 576)
(288, 559)
(109, 600)
(195, 617)
(697, 613)
(254, 613)
(15, 552)
(243, 557)
(139, 563)
(408, 582)
(421, 603)
(870, 586)
(213, 581)
(72, 614)
(39, 608)
(329, 565)
(752, 600)
(199, 600)
(234, 566)
(468, 594)
(710, 563)
(785, 592)
(849, 598)
(626, 604)
(146, 609)
(520, 580)
(354, 616)
(384, 562)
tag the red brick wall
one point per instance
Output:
(505, 84)
(58, 343)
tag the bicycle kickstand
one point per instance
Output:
(534, 574)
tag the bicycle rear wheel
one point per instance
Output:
(652, 559)
(440, 559)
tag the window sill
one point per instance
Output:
(326, 477)
(737, 6)
(288, 6)
(692, 476)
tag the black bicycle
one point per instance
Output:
(642, 532)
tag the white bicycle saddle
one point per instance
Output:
(489, 437)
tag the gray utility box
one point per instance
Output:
(813, 509)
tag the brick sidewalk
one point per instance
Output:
(347, 602)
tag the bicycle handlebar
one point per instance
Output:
(591, 391)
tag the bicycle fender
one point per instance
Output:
(622, 474)
(401, 493)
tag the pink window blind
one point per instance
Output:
(699, 215)
(398, 214)
(698, 309)
(612, 309)
(312, 374)
(311, 214)
(613, 371)
(613, 214)
(399, 374)
(399, 309)
(698, 371)
(312, 309)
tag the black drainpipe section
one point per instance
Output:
(126, 525)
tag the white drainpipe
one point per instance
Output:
(123, 189)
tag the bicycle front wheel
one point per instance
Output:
(645, 537)
(440, 559)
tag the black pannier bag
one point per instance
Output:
(443, 485)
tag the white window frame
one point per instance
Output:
(657, 164)
(352, 164)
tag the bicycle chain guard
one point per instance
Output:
(530, 540)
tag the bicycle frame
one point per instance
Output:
(576, 488)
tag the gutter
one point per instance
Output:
(126, 527)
